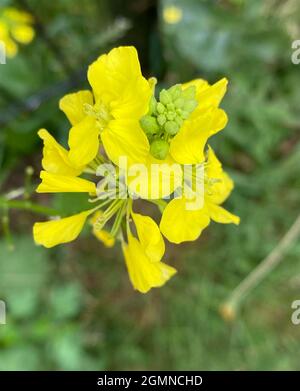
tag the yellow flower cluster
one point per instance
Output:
(15, 27)
(122, 117)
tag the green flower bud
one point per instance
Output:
(185, 114)
(179, 103)
(159, 149)
(165, 97)
(170, 106)
(161, 119)
(179, 121)
(152, 105)
(175, 91)
(160, 108)
(189, 93)
(171, 127)
(171, 115)
(190, 105)
(149, 124)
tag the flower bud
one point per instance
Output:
(160, 108)
(152, 105)
(179, 103)
(171, 115)
(171, 127)
(159, 149)
(161, 119)
(189, 93)
(190, 105)
(165, 97)
(175, 91)
(149, 124)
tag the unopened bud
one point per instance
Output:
(159, 149)
(175, 91)
(161, 119)
(165, 97)
(149, 124)
(171, 127)
(189, 93)
(160, 108)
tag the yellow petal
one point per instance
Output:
(221, 215)
(179, 224)
(23, 33)
(52, 183)
(133, 101)
(143, 273)
(11, 48)
(149, 236)
(55, 157)
(187, 147)
(125, 138)
(219, 121)
(83, 142)
(52, 233)
(104, 237)
(222, 185)
(110, 73)
(73, 105)
(154, 179)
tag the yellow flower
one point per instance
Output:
(120, 98)
(15, 27)
(104, 236)
(179, 223)
(59, 174)
(52, 233)
(143, 255)
(172, 14)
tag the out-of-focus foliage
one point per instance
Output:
(72, 307)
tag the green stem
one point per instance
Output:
(262, 270)
(27, 205)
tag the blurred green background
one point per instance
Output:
(72, 307)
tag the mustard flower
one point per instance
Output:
(140, 145)
(16, 27)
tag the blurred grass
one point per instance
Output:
(73, 307)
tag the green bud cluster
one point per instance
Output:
(166, 116)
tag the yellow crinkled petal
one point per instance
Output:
(149, 236)
(83, 142)
(187, 147)
(125, 138)
(111, 73)
(73, 105)
(222, 185)
(179, 224)
(144, 274)
(221, 215)
(155, 179)
(52, 183)
(23, 33)
(55, 157)
(52, 233)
